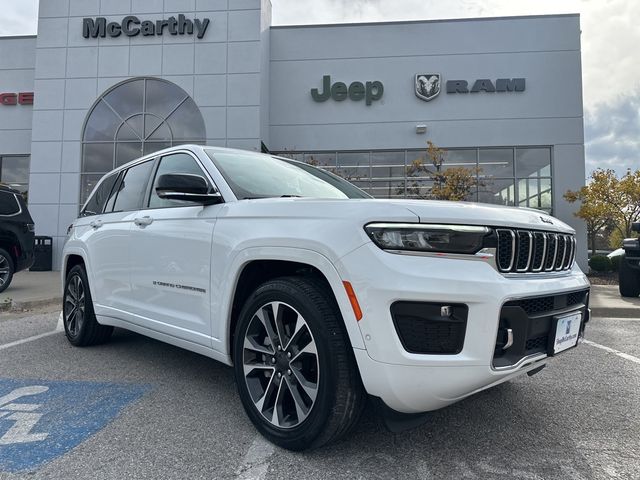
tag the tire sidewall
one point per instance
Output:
(12, 267)
(302, 435)
(78, 270)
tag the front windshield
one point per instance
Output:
(252, 175)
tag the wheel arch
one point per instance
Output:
(254, 268)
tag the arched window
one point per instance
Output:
(134, 118)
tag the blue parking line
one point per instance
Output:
(41, 420)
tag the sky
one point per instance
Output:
(610, 62)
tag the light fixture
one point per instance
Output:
(420, 128)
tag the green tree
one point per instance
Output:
(595, 209)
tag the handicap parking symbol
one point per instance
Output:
(41, 420)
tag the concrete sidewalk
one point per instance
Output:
(30, 290)
(34, 289)
(607, 302)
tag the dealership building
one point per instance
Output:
(106, 81)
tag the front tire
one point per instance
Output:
(294, 368)
(7, 269)
(80, 324)
(628, 279)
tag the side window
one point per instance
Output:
(133, 187)
(176, 163)
(114, 193)
(8, 204)
(95, 204)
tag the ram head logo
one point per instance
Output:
(427, 86)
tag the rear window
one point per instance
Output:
(95, 204)
(133, 187)
(8, 204)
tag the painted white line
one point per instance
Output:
(27, 340)
(59, 328)
(620, 354)
(256, 461)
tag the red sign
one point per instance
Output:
(22, 98)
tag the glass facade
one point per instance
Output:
(14, 172)
(135, 118)
(516, 176)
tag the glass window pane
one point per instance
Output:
(533, 162)
(496, 162)
(102, 124)
(162, 97)
(178, 163)
(97, 157)
(126, 99)
(460, 158)
(497, 191)
(388, 158)
(419, 188)
(388, 189)
(186, 122)
(320, 159)
(545, 194)
(133, 187)
(353, 173)
(155, 129)
(388, 172)
(126, 133)
(353, 159)
(150, 147)
(87, 183)
(15, 170)
(96, 203)
(127, 151)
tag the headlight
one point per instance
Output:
(427, 238)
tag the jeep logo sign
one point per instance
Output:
(132, 26)
(356, 91)
(486, 85)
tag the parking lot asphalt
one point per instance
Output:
(138, 408)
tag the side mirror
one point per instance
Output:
(635, 227)
(188, 187)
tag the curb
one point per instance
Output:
(17, 305)
(615, 312)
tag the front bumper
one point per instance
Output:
(412, 382)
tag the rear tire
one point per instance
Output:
(80, 324)
(7, 269)
(628, 279)
(306, 390)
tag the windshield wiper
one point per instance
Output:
(290, 196)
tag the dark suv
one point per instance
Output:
(16, 235)
(629, 273)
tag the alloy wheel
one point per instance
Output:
(280, 362)
(5, 270)
(74, 305)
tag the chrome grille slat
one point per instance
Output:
(534, 251)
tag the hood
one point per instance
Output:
(439, 211)
(382, 210)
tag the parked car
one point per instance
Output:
(16, 235)
(316, 293)
(629, 272)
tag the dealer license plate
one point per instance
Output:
(567, 332)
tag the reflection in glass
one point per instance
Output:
(496, 162)
(533, 162)
(497, 191)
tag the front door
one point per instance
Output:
(170, 254)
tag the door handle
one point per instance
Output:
(143, 221)
(96, 223)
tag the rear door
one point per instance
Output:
(170, 253)
(106, 231)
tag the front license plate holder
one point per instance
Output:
(565, 332)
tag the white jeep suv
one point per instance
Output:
(315, 292)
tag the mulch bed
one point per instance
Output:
(603, 278)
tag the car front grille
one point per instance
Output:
(531, 251)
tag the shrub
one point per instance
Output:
(600, 263)
(615, 262)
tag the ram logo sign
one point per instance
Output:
(487, 85)
(427, 86)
